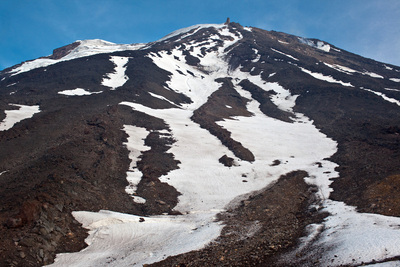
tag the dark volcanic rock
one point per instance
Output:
(63, 51)
(227, 161)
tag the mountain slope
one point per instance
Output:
(201, 127)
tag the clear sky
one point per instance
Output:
(33, 28)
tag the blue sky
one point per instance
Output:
(33, 28)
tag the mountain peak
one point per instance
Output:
(214, 125)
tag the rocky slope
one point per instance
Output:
(245, 138)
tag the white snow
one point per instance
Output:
(258, 56)
(319, 44)
(388, 68)
(77, 92)
(135, 145)
(324, 47)
(118, 239)
(395, 80)
(341, 68)
(2, 172)
(373, 75)
(348, 70)
(85, 48)
(389, 99)
(322, 77)
(117, 78)
(14, 116)
(289, 56)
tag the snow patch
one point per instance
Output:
(389, 89)
(317, 44)
(11, 84)
(77, 92)
(258, 56)
(388, 68)
(289, 56)
(373, 75)
(397, 80)
(341, 68)
(14, 116)
(322, 77)
(117, 78)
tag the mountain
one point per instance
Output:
(217, 145)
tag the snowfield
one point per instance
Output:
(208, 187)
(14, 116)
(85, 48)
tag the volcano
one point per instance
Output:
(217, 145)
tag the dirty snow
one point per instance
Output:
(135, 145)
(117, 78)
(15, 116)
(77, 92)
